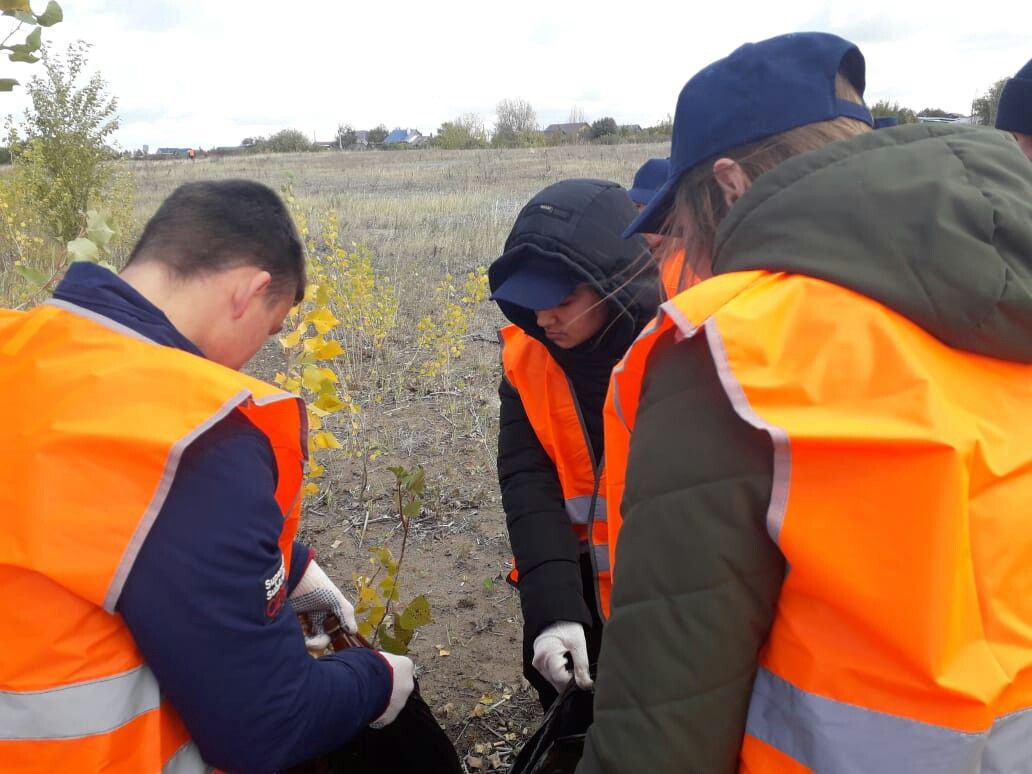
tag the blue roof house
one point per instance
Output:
(404, 137)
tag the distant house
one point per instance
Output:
(404, 137)
(177, 153)
(326, 145)
(568, 131)
(362, 138)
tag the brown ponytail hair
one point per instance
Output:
(699, 205)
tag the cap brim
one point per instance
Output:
(533, 290)
(650, 220)
(641, 195)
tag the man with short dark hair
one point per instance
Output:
(150, 494)
(1014, 114)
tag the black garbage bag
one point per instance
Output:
(556, 747)
(413, 744)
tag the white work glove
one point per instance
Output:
(550, 649)
(317, 595)
(401, 687)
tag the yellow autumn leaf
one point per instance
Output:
(291, 340)
(310, 489)
(292, 385)
(322, 319)
(315, 470)
(326, 440)
(313, 378)
(314, 343)
(330, 402)
(368, 595)
(280, 379)
(329, 350)
(314, 421)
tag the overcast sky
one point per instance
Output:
(190, 73)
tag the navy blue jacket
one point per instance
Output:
(195, 600)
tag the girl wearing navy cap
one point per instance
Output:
(826, 543)
(649, 178)
(577, 294)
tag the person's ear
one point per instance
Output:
(251, 286)
(731, 178)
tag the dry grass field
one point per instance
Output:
(425, 213)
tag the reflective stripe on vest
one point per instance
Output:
(832, 737)
(82, 478)
(187, 760)
(580, 509)
(553, 411)
(87, 709)
(600, 556)
(902, 640)
(81, 709)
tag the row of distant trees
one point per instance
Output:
(296, 141)
(983, 108)
(516, 125)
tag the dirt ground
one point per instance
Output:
(468, 659)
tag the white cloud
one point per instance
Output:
(192, 73)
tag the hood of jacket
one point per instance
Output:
(579, 223)
(932, 221)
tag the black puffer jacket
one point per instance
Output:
(577, 222)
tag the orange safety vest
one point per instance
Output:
(902, 639)
(616, 430)
(671, 271)
(553, 411)
(97, 420)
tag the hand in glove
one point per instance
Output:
(401, 687)
(317, 595)
(550, 649)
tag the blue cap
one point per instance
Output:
(759, 90)
(884, 122)
(538, 283)
(648, 180)
(1015, 111)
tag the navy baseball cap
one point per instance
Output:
(538, 283)
(760, 89)
(648, 180)
(1015, 111)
